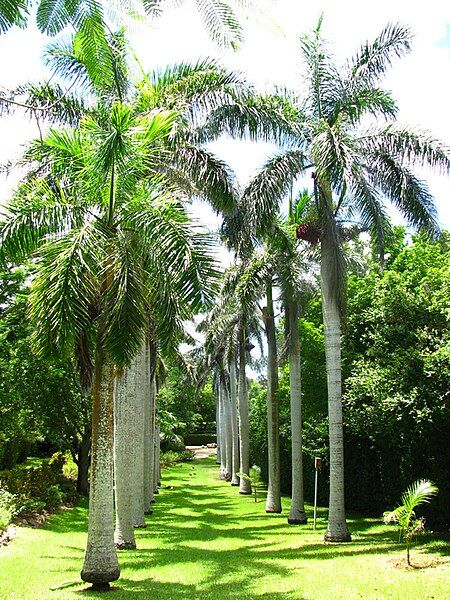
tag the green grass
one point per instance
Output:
(205, 541)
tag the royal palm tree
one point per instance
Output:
(228, 328)
(113, 230)
(357, 166)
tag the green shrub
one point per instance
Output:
(41, 487)
(8, 508)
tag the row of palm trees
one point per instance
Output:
(356, 164)
(120, 266)
(119, 263)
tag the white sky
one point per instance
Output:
(420, 82)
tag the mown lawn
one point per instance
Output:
(205, 541)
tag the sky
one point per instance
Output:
(420, 82)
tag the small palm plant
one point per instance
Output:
(254, 477)
(408, 524)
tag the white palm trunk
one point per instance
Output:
(149, 432)
(138, 438)
(223, 437)
(234, 425)
(100, 561)
(157, 455)
(337, 530)
(244, 428)
(273, 501)
(124, 432)
(228, 433)
(297, 515)
(217, 432)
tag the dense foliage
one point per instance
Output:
(183, 409)
(28, 489)
(396, 354)
(41, 406)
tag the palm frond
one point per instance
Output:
(55, 104)
(206, 176)
(67, 62)
(13, 12)
(416, 148)
(65, 290)
(420, 492)
(221, 22)
(197, 87)
(271, 118)
(174, 248)
(373, 59)
(370, 210)
(324, 78)
(37, 211)
(264, 193)
(408, 193)
(124, 302)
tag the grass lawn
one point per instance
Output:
(205, 541)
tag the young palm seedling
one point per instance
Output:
(404, 516)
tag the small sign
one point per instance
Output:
(317, 463)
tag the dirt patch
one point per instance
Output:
(202, 451)
(419, 562)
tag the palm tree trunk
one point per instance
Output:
(234, 425)
(244, 428)
(149, 436)
(100, 560)
(337, 530)
(223, 437)
(297, 515)
(157, 467)
(228, 433)
(217, 432)
(273, 502)
(124, 416)
(137, 487)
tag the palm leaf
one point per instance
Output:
(372, 59)
(66, 288)
(39, 210)
(13, 12)
(123, 301)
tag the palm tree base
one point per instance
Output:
(125, 545)
(149, 511)
(235, 484)
(341, 537)
(100, 587)
(100, 581)
(245, 492)
(142, 525)
(273, 510)
(297, 521)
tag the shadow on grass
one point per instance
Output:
(168, 591)
(229, 538)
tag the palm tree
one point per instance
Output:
(228, 329)
(420, 492)
(116, 234)
(356, 167)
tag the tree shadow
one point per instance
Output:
(197, 528)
